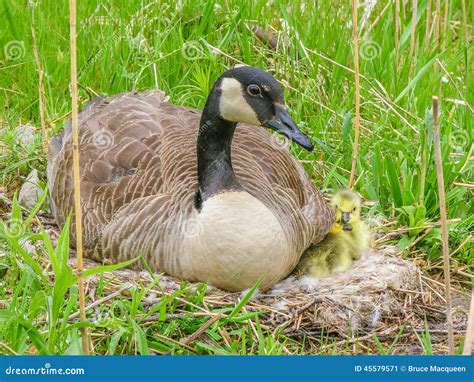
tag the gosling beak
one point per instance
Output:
(345, 220)
(284, 124)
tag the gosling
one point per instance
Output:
(347, 239)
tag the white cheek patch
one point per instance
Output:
(232, 104)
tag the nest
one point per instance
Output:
(380, 293)
(380, 289)
(374, 287)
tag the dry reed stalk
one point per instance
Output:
(7, 348)
(76, 174)
(469, 340)
(438, 21)
(460, 94)
(201, 330)
(464, 21)
(428, 25)
(412, 34)
(424, 167)
(41, 97)
(444, 226)
(355, 4)
(379, 17)
(445, 23)
(397, 31)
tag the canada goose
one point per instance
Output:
(347, 239)
(178, 187)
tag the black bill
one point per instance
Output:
(346, 216)
(285, 125)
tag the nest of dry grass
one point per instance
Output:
(378, 295)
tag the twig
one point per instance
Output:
(453, 289)
(41, 98)
(438, 21)
(412, 35)
(355, 4)
(379, 17)
(401, 230)
(464, 274)
(445, 23)
(455, 86)
(397, 31)
(464, 21)
(424, 165)
(100, 301)
(76, 174)
(201, 330)
(391, 105)
(461, 245)
(349, 340)
(175, 316)
(428, 25)
(417, 240)
(173, 342)
(444, 225)
(469, 340)
(8, 348)
(467, 185)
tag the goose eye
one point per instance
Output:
(253, 90)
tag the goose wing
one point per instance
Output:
(138, 164)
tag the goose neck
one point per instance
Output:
(215, 172)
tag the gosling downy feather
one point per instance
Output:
(184, 191)
(347, 239)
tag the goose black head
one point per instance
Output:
(252, 96)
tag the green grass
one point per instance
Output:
(125, 45)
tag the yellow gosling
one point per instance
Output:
(346, 241)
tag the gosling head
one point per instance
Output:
(250, 95)
(347, 205)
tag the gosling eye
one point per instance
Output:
(353, 210)
(254, 90)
